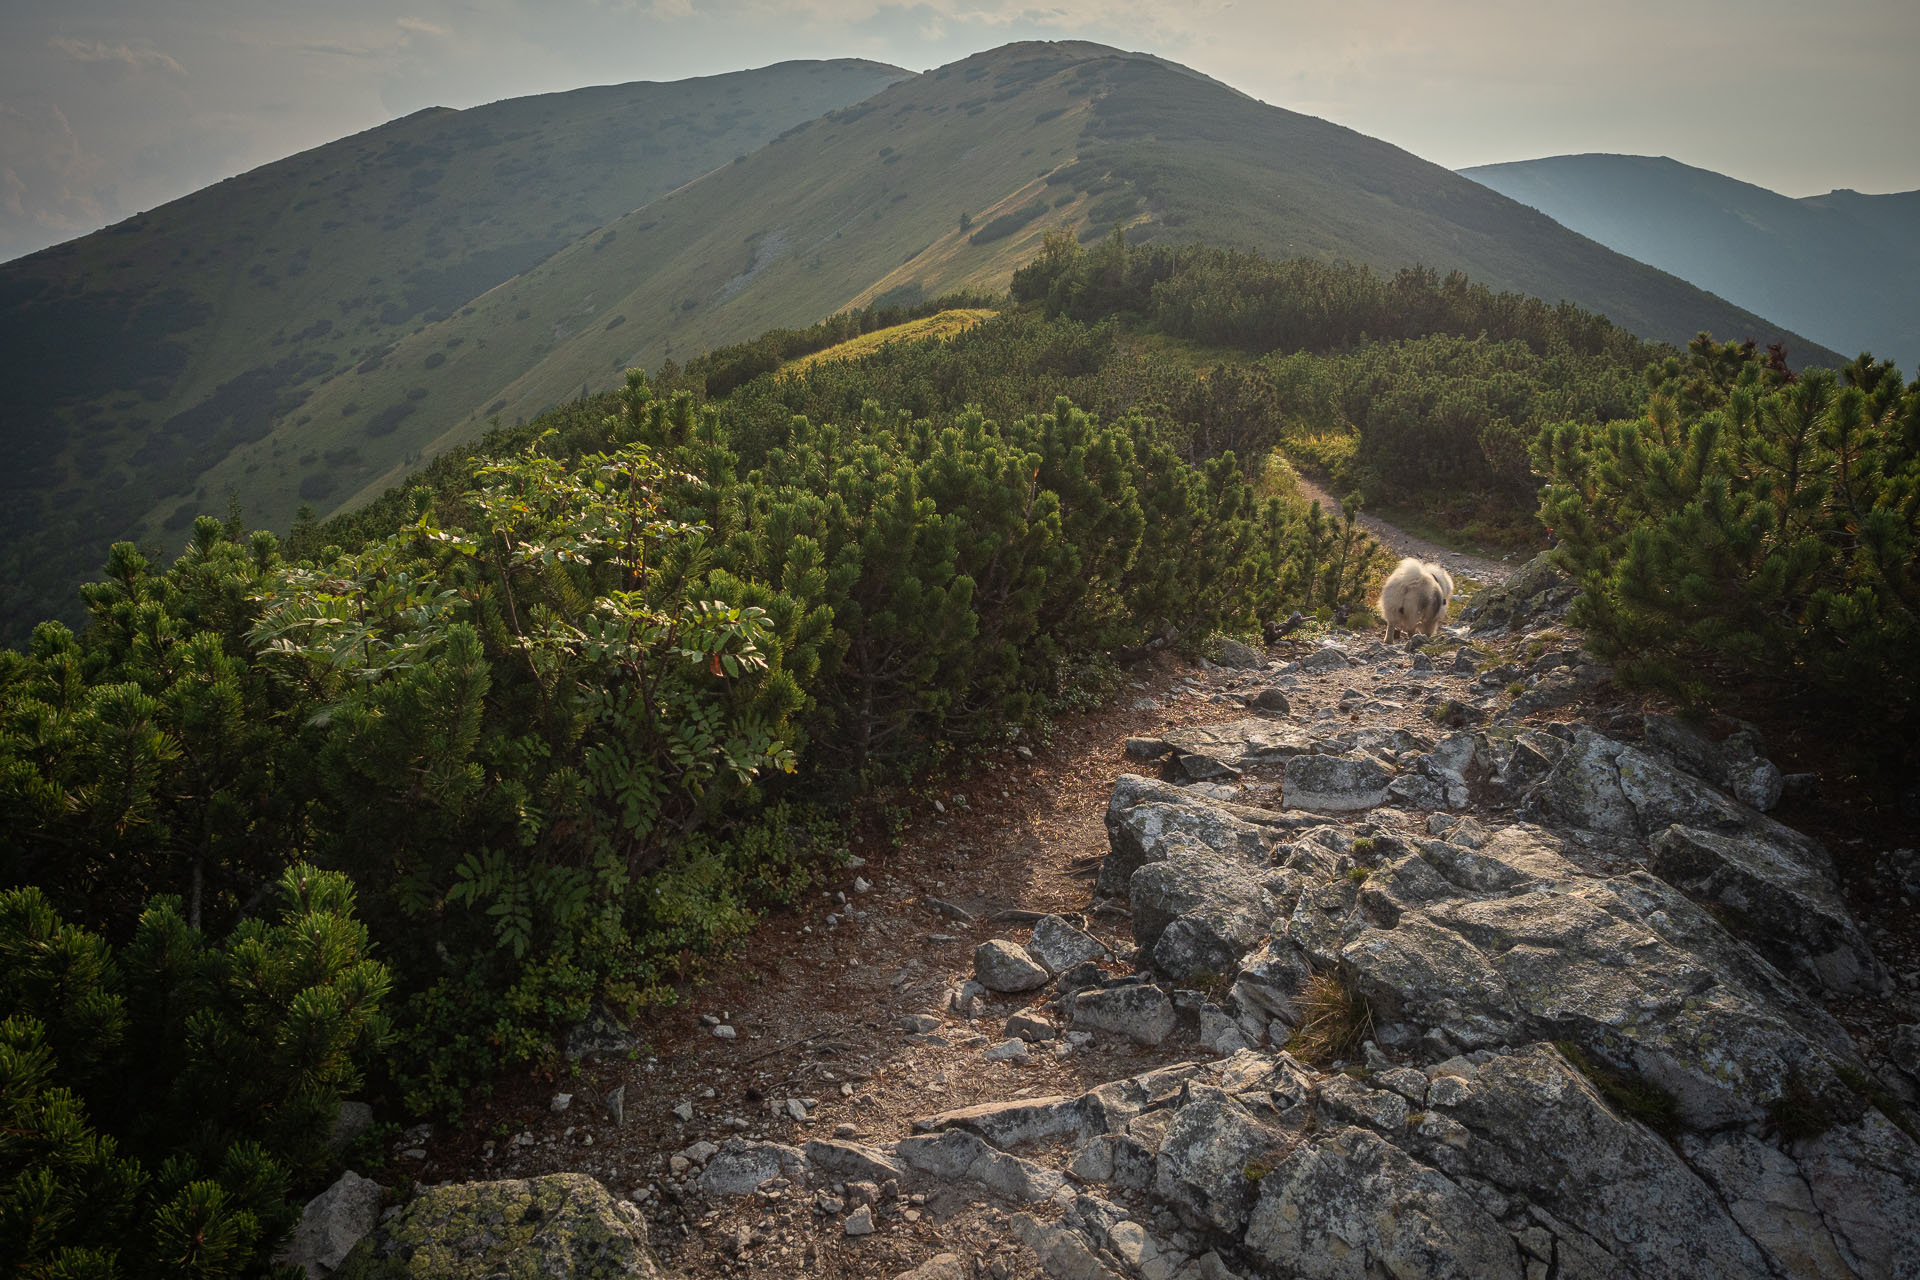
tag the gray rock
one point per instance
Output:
(1080, 976)
(563, 1224)
(1606, 786)
(1536, 593)
(1003, 966)
(1271, 700)
(1031, 1027)
(1063, 1252)
(1735, 765)
(617, 1104)
(1235, 654)
(1019, 1121)
(1139, 1012)
(1242, 743)
(1196, 911)
(1538, 1129)
(740, 1166)
(1059, 945)
(1145, 749)
(1350, 1206)
(332, 1223)
(956, 1153)
(1207, 1160)
(851, 1161)
(941, 1266)
(1865, 1180)
(920, 1023)
(1903, 1050)
(1142, 814)
(1271, 978)
(1766, 1195)
(1335, 783)
(1325, 661)
(1014, 1050)
(1778, 896)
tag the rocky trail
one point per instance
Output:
(1461, 564)
(1351, 960)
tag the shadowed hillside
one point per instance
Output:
(142, 354)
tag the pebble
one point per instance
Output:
(561, 1101)
(684, 1111)
(861, 885)
(860, 1222)
(724, 1032)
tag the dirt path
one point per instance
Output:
(1459, 563)
(823, 1002)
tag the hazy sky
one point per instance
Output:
(112, 106)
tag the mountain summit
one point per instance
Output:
(309, 332)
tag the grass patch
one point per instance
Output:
(1334, 1020)
(943, 324)
(1639, 1099)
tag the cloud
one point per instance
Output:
(50, 186)
(125, 56)
(420, 26)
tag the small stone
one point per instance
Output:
(920, 1023)
(1009, 1051)
(724, 1032)
(860, 1221)
(797, 1110)
(560, 1102)
(862, 885)
(617, 1103)
(1003, 966)
(1274, 700)
(684, 1111)
(1030, 1026)
(844, 1130)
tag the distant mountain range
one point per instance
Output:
(1843, 268)
(308, 332)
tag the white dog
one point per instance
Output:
(1415, 598)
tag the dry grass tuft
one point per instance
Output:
(1334, 1020)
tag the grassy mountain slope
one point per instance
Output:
(1843, 267)
(140, 355)
(866, 203)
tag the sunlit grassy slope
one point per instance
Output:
(942, 324)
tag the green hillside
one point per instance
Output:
(868, 203)
(940, 182)
(141, 355)
(1843, 267)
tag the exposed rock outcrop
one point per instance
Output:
(565, 1224)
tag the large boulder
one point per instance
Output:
(332, 1223)
(1212, 1157)
(1777, 895)
(1142, 814)
(563, 1224)
(1197, 911)
(1607, 786)
(1335, 783)
(1734, 764)
(1140, 1012)
(741, 1166)
(1059, 944)
(1006, 967)
(1538, 592)
(1351, 1206)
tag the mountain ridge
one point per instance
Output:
(1840, 267)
